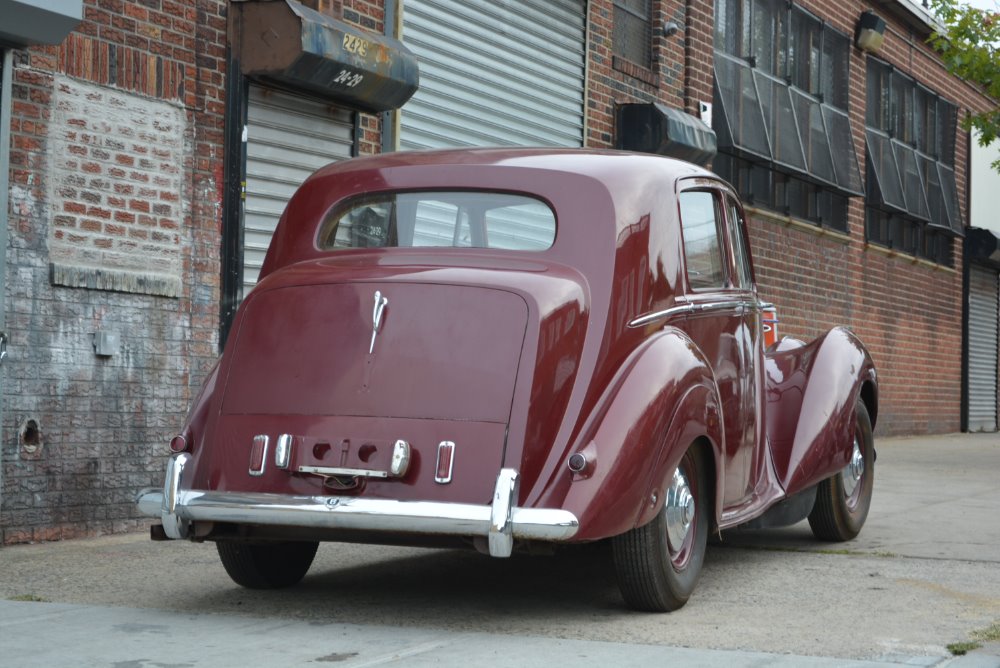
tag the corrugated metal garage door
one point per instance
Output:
(288, 138)
(984, 314)
(495, 73)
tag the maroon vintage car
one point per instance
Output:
(498, 347)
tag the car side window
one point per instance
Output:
(700, 224)
(737, 226)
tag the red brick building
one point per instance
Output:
(153, 146)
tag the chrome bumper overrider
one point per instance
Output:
(501, 521)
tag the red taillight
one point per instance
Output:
(257, 454)
(445, 462)
(179, 443)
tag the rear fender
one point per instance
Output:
(664, 400)
(812, 391)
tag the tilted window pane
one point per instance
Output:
(931, 180)
(950, 192)
(845, 159)
(740, 126)
(776, 104)
(913, 191)
(882, 166)
(812, 132)
(702, 245)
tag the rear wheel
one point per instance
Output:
(266, 565)
(658, 564)
(843, 500)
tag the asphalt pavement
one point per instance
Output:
(921, 580)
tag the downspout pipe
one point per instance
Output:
(6, 103)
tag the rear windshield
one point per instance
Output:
(441, 219)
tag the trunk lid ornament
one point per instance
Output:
(380, 304)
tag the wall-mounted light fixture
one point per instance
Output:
(870, 32)
(671, 28)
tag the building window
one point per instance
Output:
(632, 36)
(781, 91)
(912, 202)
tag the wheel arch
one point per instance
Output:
(667, 401)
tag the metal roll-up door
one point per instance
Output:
(288, 138)
(984, 315)
(495, 73)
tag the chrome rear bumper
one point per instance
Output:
(501, 522)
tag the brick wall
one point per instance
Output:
(109, 232)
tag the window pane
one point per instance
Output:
(913, 191)
(888, 187)
(769, 23)
(877, 106)
(901, 107)
(741, 124)
(947, 120)
(631, 37)
(804, 51)
(440, 219)
(845, 160)
(776, 106)
(835, 72)
(700, 226)
(736, 227)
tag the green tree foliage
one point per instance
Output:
(968, 44)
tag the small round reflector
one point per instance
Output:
(178, 443)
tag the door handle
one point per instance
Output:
(3, 345)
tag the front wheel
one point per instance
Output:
(843, 500)
(266, 565)
(658, 564)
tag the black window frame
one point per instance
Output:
(792, 99)
(912, 202)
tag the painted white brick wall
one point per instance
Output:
(116, 163)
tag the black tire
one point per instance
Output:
(266, 565)
(653, 575)
(838, 515)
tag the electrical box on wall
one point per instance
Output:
(107, 344)
(705, 112)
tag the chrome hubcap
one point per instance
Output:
(854, 471)
(680, 510)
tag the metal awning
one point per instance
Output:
(983, 247)
(27, 22)
(655, 128)
(295, 47)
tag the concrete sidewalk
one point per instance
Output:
(924, 573)
(127, 637)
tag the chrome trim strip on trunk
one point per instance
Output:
(500, 522)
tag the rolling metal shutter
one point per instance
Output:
(288, 138)
(495, 73)
(984, 315)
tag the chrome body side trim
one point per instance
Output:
(696, 308)
(501, 519)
